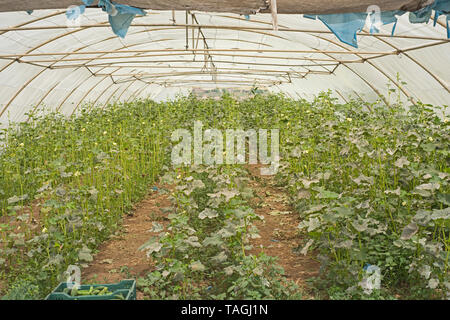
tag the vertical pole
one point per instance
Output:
(273, 8)
(187, 30)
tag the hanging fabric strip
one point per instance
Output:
(421, 16)
(120, 16)
(448, 29)
(442, 7)
(388, 17)
(123, 19)
(74, 12)
(346, 26)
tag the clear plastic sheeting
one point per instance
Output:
(46, 61)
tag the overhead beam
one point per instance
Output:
(196, 67)
(189, 53)
(217, 81)
(240, 28)
(199, 72)
(242, 75)
(148, 62)
(192, 50)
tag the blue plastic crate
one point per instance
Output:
(126, 288)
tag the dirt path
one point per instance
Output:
(278, 231)
(119, 257)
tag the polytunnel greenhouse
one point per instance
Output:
(224, 150)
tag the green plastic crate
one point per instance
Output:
(127, 288)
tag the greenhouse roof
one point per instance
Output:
(46, 59)
(234, 6)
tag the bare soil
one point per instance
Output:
(278, 231)
(120, 256)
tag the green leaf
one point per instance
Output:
(208, 213)
(197, 266)
(401, 162)
(409, 231)
(219, 258)
(85, 255)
